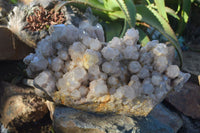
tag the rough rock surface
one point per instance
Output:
(80, 71)
(187, 100)
(191, 62)
(12, 48)
(19, 105)
(68, 120)
(167, 117)
(190, 125)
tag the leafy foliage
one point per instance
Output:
(14, 1)
(138, 13)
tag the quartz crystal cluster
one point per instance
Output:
(78, 69)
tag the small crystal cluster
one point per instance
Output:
(76, 69)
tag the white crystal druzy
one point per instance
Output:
(75, 67)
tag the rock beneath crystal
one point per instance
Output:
(187, 100)
(167, 117)
(71, 120)
(19, 105)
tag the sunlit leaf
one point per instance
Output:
(168, 11)
(128, 8)
(184, 15)
(96, 4)
(111, 5)
(161, 8)
(14, 1)
(171, 12)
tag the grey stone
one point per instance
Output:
(191, 62)
(68, 120)
(187, 100)
(166, 117)
(190, 126)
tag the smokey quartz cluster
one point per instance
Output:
(78, 69)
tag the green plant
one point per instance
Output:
(14, 1)
(118, 15)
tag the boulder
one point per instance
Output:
(187, 100)
(68, 120)
(12, 48)
(167, 117)
(19, 105)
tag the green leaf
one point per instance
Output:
(144, 39)
(168, 11)
(144, 2)
(126, 26)
(128, 8)
(179, 6)
(111, 5)
(161, 8)
(153, 18)
(96, 4)
(171, 12)
(112, 29)
(14, 1)
(184, 15)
